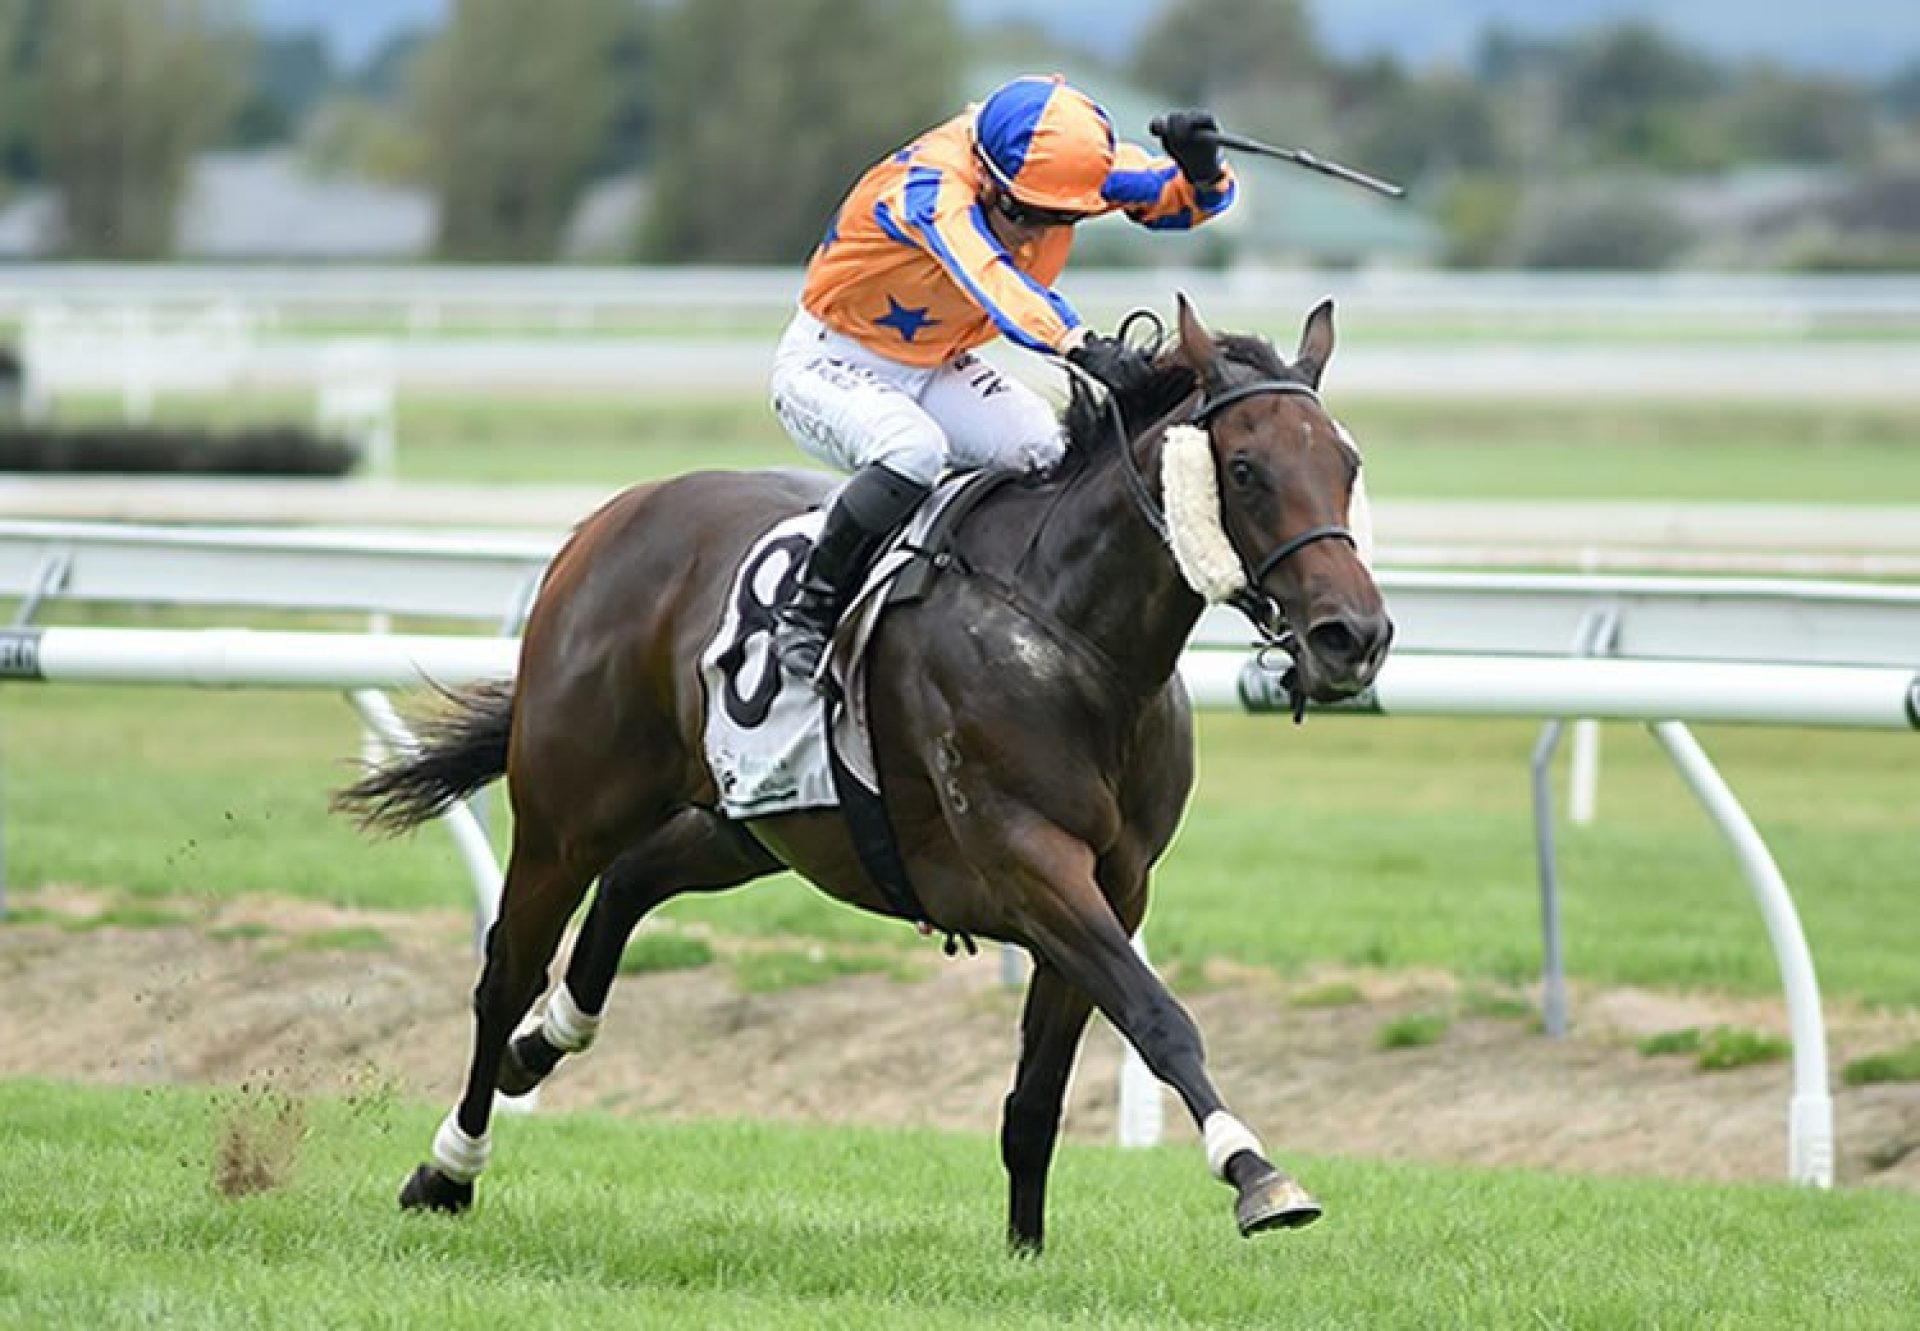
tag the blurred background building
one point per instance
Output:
(1602, 134)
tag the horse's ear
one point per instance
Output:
(1196, 344)
(1316, 343)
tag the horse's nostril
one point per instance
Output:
(1350, 646)
(1333, 640)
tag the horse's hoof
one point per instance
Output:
(430, 1190)
(525, 1065)
(1274, 1201)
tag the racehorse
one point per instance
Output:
(1031, 731)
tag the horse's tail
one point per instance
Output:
(459, 751)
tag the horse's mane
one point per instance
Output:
(1089, 419)
(1256, 353)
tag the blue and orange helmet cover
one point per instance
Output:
(1046, 143)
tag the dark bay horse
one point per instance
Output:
(1031, 730)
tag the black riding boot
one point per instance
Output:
(870, 505)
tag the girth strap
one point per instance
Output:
(864, 810)
(865, 813)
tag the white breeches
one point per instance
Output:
(848, 407)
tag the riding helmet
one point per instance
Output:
(1046, 143)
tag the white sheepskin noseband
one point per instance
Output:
(1206, 558)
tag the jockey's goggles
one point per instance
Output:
(1026, 214)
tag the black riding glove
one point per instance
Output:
(1112, 362)
(1188, 137)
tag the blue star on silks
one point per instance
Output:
(906, 320)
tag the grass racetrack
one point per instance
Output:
(114, 1212)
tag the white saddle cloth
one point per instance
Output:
(766, 731)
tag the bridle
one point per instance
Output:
(1267, 616)
(1202, 416)
(1255, 604)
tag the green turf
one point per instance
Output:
(1813, 452)
(1900, 1064)
(654, 950)
(1389, 843)
(109, 1218)
(1832, 453)
(1410, 843)
(588, 441)
(1668, 452)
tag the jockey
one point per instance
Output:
(955, 239)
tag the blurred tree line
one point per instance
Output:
(110, 101)
(751, 118)
(748, 120)
(1536, 152)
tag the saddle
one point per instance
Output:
(773, 745)
(933, 552)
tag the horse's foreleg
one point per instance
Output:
(694, 851)
(1050, 1030)
(1073, 926)
(539, 894)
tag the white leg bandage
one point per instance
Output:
(458, 1156)
(1226, 1136)
(1191, 483)
(565, 1026)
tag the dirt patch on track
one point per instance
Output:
(308, 999)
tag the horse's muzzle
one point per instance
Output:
(1342, 653)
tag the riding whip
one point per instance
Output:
(1298, 156)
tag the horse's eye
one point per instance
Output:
(1240, 472)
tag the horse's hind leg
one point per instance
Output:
(1050, 1030)
(539, 895)
(695, 851)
